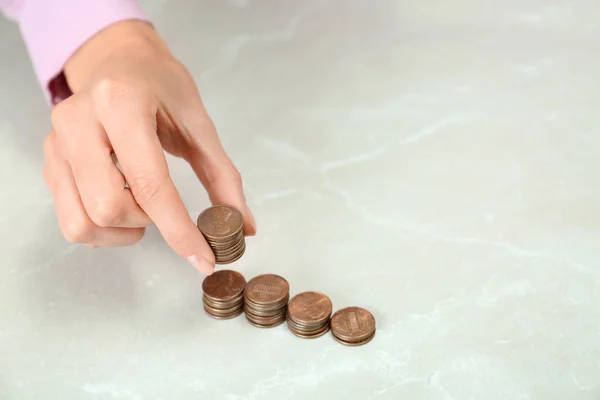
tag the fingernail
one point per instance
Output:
(201, 264)
(90, 246)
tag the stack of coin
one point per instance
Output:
(224, 294)
(353, 326)
(308, 314)
(265, 300)
(222, 228)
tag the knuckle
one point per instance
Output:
(105, 212)
(145, 189)
(110, 88)
(112, 94)
(60, 114)
(77, 229)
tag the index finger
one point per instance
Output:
(133, 135)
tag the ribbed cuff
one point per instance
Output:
(53, 30)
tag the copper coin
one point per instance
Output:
(232, 251)
(305, 329)
(221, 311)
(223, 285)
(231, 256)
(264, 313)
(264, 320)
(265, 326)
(223, 244)
(231, 260)
(223, 304)
(267, 289)
(220, 222)
(310, 335)
(228, 248)
(227, 258)
(237, 313)
(360, 343)
(352, 324)
(267, 307)
(310, 308)
(227, 238)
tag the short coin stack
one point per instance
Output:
(222, 228)
(308, 314)
(353, 326)
(224, 294)
(265, 300)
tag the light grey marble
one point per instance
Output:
(434, 161)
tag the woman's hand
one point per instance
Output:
(133, 99)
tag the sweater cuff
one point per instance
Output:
(53, 30)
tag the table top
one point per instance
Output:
(434, 162)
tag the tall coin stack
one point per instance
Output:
(265, 300)
(222, 229)
(308, 314)
(353, 326)
(224, 294)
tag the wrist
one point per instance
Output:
(121, 39)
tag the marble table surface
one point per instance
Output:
(436, 162)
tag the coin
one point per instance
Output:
(267, 307)
(310, 335)
(265, 313)
(310, 309)
(225, 311)
(267, 289)
(308, 314)
(303, 329)
(220, 222)
(223, 296)
(232, 253)
(264, 320)
(225, 243)
(224, 285)
(265, 300)
(353, 326)
(229, 260)
(222, 227)
(222, 304)
(266, 326)
(230, 316)
(364, 341)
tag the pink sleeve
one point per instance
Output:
(54, 29)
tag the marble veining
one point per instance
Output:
(434, 162)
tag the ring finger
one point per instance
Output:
(73, 220)
(100, 184)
